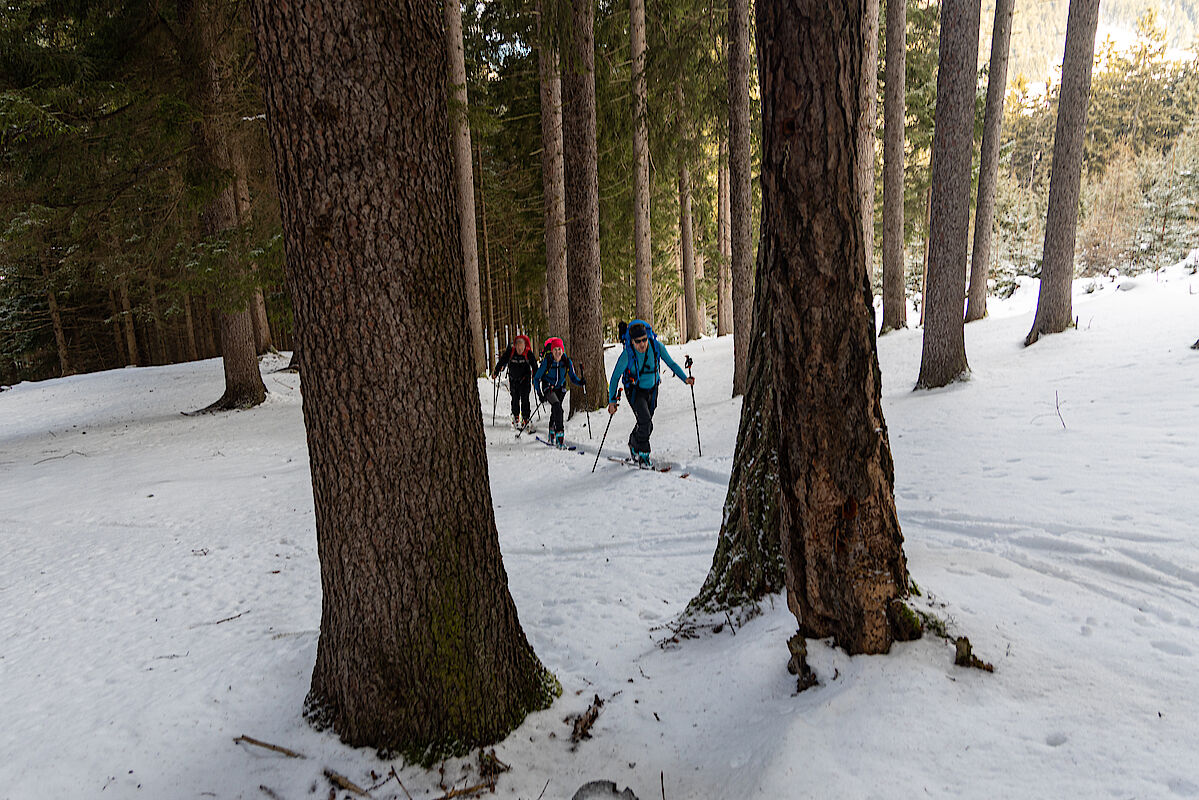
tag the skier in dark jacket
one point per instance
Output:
(521, 364)
(638, 367)
(550, 384)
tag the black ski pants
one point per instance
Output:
(555, 398)
(643, 402)
(519, 389)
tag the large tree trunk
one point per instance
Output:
(420, 650)
(557, 295)
(245, 215)
(1054, 309)
(460, 126)
(643, 255)
(943, 359)
(60, 338)
(740, 197)
(582, 198)
(748, 562)
(724, 281)
(895, 304)
(988, 167)
(841, 541)
(207, 21)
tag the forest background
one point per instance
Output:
(107, 257)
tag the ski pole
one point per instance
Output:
(495, 396)
(585, 408)
(527, 421)
(605, 437)
(688, 364)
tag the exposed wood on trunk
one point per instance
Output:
(460, 126)
(420, 651)
(988, 168)
(1054, 309)
(895, 305)
(943, 357)
(841, 542)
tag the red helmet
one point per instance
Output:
(553, 342)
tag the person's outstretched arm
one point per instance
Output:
(675, 368)
(622, 364)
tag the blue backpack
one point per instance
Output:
(629, 378)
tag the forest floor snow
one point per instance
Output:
(160, 590)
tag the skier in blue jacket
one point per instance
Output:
(550, 384)
(639, 367)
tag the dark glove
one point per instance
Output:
(582, 382)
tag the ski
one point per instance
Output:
(565, 446)
(656, 467)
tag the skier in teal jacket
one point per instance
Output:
(638, 368)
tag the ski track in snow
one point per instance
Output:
(160, 592)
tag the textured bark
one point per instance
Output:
(212, 45)
(263, 342)
(943, 358)
(643, 256)
(1054, 309)
(420, 648)
(841, 542)
(988, 168)
(463, 182)
(724, 281)
(895, 304)
(60, 338)
(127, 321)
(748, 562)
(740, 199)
(557, 294)
(582, 198)
(158, 350)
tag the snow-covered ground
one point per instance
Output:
(160, 595)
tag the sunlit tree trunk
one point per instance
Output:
(895, 305)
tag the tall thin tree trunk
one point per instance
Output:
(841, 542)
(208, 24)
(943, 358)
(117, 340)
(582, 198)
(60, 338)
(724, 282)
(895, 304)
(867, 128)
(643, 255)
(740, 197)
(557, 295)
(691, 328)
(189, 339)
(988, 167)
(460, 125)
(127, 321)
(1054, 309)
(420, 652)
(245, 213)
(157, 355)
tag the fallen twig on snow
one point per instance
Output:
(342, 782)
(395, 775)
(64, 455)
(268, 746)
(468, 790)
(269, 792)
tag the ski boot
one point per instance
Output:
(639, 458)
(557, 438)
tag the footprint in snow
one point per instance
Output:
(1173, 648)
(1056, 739)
